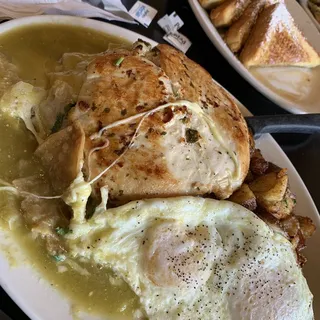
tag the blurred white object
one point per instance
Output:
(110, 9)
(171, 24)
(143, 13)
(178, 40)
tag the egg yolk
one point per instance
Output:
(176, 255)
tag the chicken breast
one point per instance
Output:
(157, 125)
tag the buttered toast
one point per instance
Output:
(238, 32)
(228, 12)
(276, 41)
(209, 4)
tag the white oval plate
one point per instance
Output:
(39, 300)
(294, 89)
(304, 4)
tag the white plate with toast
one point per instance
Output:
(295, 89)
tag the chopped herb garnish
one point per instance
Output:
(123, 112)
(60, 117)
(59, 258)
(294, 201)
(163, 133)
(62, 231)
(184, 120)
(58, 123)
(68, 107)
(192, 135)
(119, 61)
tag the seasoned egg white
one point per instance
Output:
(194, 258)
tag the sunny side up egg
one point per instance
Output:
(194, 258)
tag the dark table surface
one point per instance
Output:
(302, 150)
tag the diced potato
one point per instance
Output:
(298, 243)
(290, 225)
(273, 168)
(301, 259)
(245, 197)
(307, 227)
(258, 165)
(249, 178)
(270, 187)
(279, 209)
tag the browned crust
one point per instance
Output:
(196, 85)
(239, 31)
(228, 12)
(209, 4)
(117, 92)
(142, 83)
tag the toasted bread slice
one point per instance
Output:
(209, 4)
(238, 33)
(276, 41)
(228, 12)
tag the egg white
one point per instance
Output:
(194, 258)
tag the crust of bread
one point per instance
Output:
(228, 12)
(239, 31)
(209, 4)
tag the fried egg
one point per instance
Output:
(194, 258)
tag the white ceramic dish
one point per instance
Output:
(304, 4)
(294, 89)
(40, 301)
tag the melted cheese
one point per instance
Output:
(224, 167)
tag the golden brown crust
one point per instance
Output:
(307, 226)
(209, 4)
(245, 197)
(274, 202)
(196, 84)
(239, 31)
(141, 168)
(228, 12)
(143, 171)
(258, 165)
(112, 93)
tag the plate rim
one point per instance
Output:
(128, 35)
(304, 5)
(212, 33)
